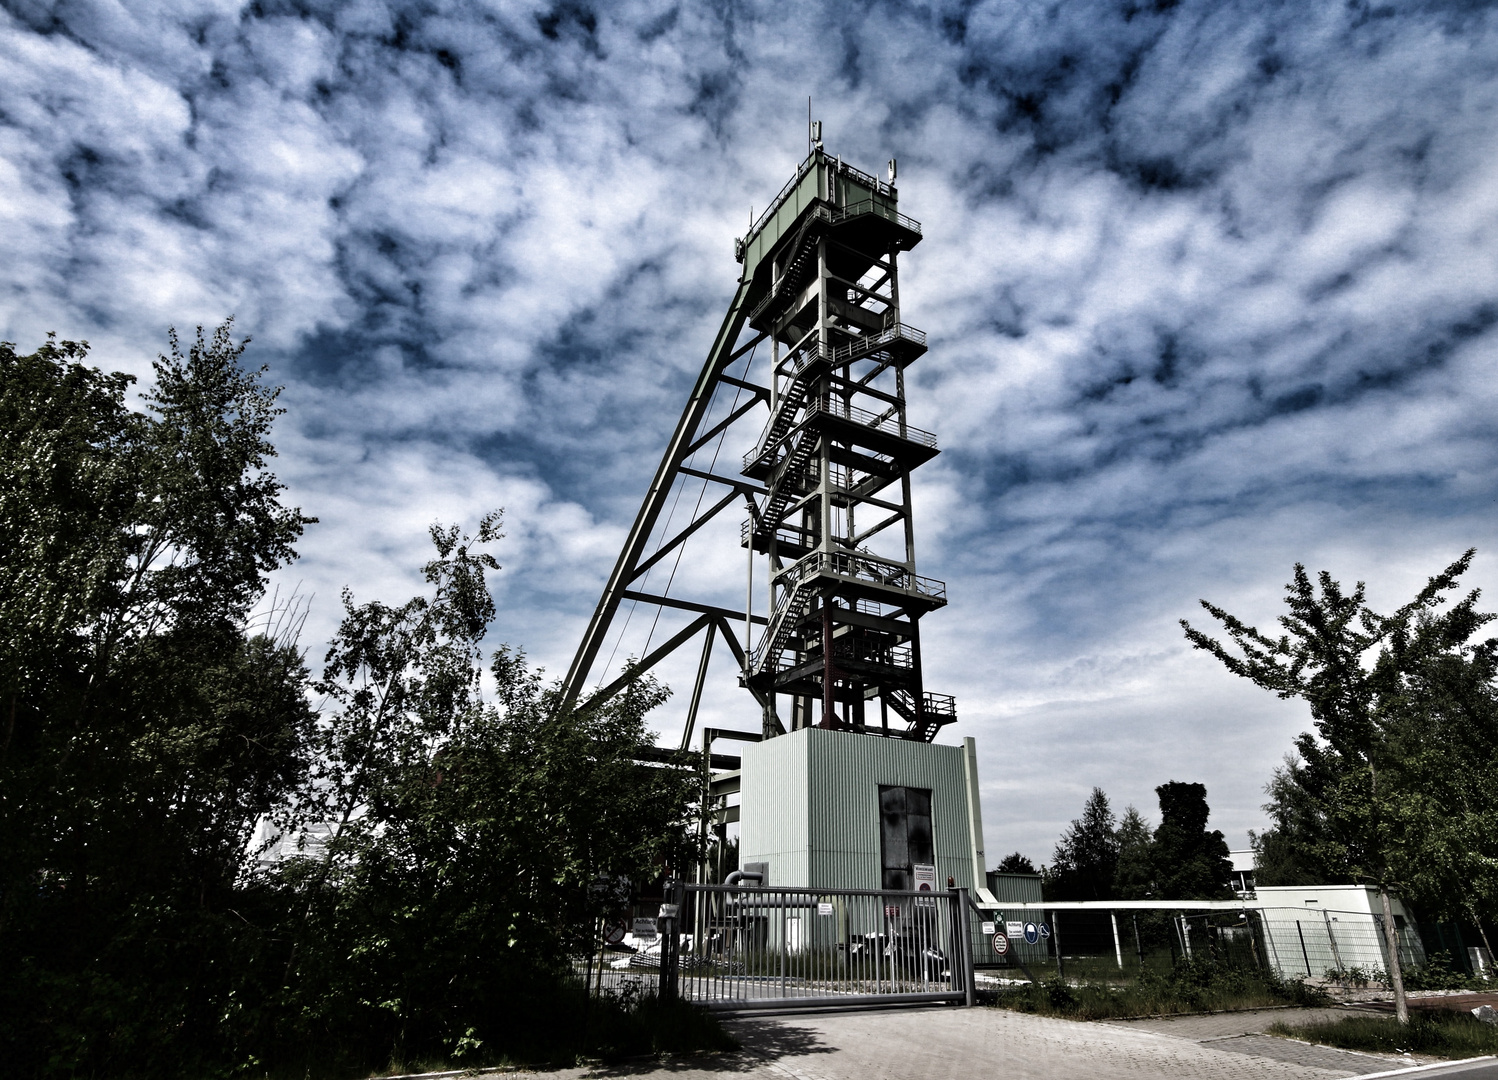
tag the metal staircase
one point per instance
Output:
(836, 451)
(828, 488)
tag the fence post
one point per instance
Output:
(670, 939)
(1117, 945)
(1326, 917)
(962, 928)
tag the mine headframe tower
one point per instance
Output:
(828, 479)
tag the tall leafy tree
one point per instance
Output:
(144, 728)
(1086, 857)
(1440, 715)
(467, 827)
(1190, 863)
(1134, 878)
(1015, 863)
(1344, 805)
(1290, 851)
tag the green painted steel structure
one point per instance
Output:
(834, 656)
(826, 487)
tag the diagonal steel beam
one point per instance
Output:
(689, 605)
(719, 357)
(707, 436)
(681, 537)
(636, 670)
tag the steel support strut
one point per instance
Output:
(827, 483)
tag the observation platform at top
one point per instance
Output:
(861, 208)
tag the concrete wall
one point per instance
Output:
(810, 807)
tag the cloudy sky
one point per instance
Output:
(1211, 289)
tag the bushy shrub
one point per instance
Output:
(1439, 973)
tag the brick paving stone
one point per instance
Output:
(1347, 1062)
(958, 1044)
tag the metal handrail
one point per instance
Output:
(821, 212)
(873, 183)
(941, 704)
(861, 567)
(775, 204)
(830, 405)
(870, 342)
(890, 425)
(873, 206)
(893, 656)
(864, 568)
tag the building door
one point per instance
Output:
(905, 839)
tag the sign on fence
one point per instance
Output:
(645, 928)
(1000, 944)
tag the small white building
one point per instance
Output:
(1333, 931)
(1243, 872)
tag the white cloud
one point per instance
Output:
(1211, 290)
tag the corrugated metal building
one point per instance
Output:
(810, 807)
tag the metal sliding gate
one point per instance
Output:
(736, 948)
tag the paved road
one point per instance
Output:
(959, 1044)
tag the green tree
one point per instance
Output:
(1015, 863)
(1190, 863)
(1086, 857)
(1441, 722)
(466, 829)
(1288, 852)
(145, 729)
(1350, 803)
(1134, 878)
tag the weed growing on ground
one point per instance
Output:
(1193, 985)
(1438, 973)
(1437, 1032)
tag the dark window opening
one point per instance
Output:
(905, 839)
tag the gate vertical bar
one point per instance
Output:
(966, 937)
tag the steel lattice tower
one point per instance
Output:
(827, 483)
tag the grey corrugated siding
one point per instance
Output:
(811, 806)
(1014, 888)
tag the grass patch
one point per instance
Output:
(1436, 1032)
(1191, 986)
